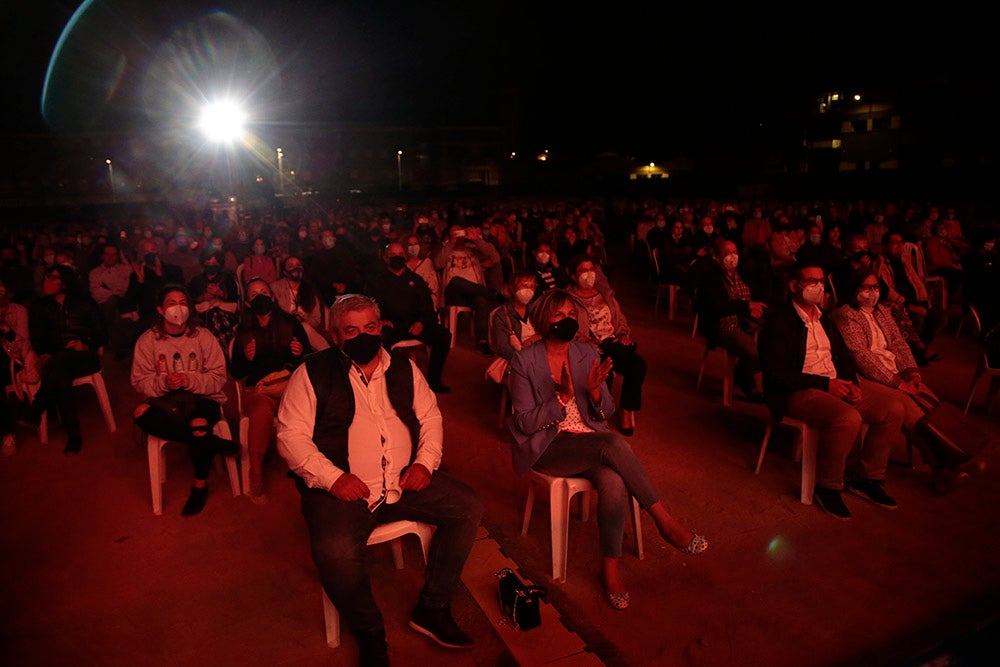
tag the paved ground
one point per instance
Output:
(91, 577)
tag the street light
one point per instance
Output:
(399, 169)
(111, 177)
(281, 172)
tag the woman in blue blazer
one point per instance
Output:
(561, 404)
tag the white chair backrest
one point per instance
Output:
(916, 254)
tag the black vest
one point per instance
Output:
(329, 373)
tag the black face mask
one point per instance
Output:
(564, 329)
(211, 271)
(295, 274)
(150, 258)
(362, 348)
(396, 262)
(261, 304)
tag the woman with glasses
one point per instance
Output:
(882, 355)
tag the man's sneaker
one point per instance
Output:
(73, 445)
(439, 626)
(830, 500)
(373, 650)
(9, 446)
(872, 491)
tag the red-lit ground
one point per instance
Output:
(89, 576)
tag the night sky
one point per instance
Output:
(677, 73)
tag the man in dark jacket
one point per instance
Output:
(729, 316)
(810, 375)
(66, 331)
(408, 312)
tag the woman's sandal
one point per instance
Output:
(697, 545)
(617, 600)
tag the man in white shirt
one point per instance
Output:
(108, 283)
(809, 374)
(362, 432)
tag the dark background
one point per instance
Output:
(618, 77)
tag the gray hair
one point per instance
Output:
(349, 303)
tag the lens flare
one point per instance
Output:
(222, 121)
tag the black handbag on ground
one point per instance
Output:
(520, 603)
(953, 436)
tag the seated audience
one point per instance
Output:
(510, 327)
(675, 256)
(408, 312)
(559, 427)
(418, 260)
(465, 284)
(545, 265)
(259, 263)
(67, 333)
(942, 258)
(810, 375)
(179, 369)
(729, 317)
(18, 363)
(906, 296)
(216, 298)
(296, 294)
(333, 268)
(109, 283)
(268, 342)
(149, 275)
(337, 405)
(882, 356)
(603, 323)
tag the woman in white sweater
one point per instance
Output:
(180, 369)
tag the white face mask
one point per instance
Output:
(709, 230)
(815, 239)
(868, 299)
(542, 258)
(587, 279)
(176, 315)
(524, 295)
(813, 294)
(730, 262)
(259, 249)
(413, 250)
(329, 241)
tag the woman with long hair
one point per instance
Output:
(180, 369)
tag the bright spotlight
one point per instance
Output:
(222, 121)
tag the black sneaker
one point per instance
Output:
(830, 500)
(73, 445)
(872, 491)
(439, 626)
(372, 650)
(196, 501)
(225, 447)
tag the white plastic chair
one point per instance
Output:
(158, 466)
(96, 381)
(728, 373)
(806, 442)
(673, 291)
(561, 492)
(982, 368)
(387, 532)
(453, 313)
